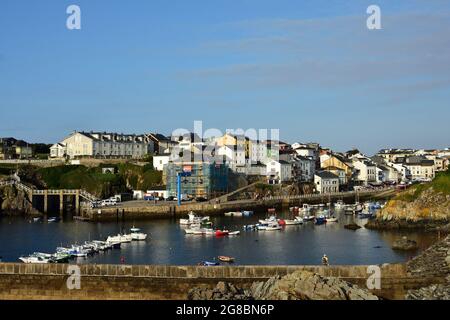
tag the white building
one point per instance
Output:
(102, 144)
(278, 171)
(326, 182)
(58, 150)
(420, 168)
(366, 171)
(160, 161)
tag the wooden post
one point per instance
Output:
(45, 201)
(77, 202)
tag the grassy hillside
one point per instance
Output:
(127, 177)
(440, 184)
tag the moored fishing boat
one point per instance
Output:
(225, 259)
(34, 259)
(273, 227)
(208, 263)
(295, 221)
(320, 220)
(136, 234)
(247, 213)
(339, 205)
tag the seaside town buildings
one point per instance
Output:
(214, 161)
(102, 144)
(11, 148)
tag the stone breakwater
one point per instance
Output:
(21, 281)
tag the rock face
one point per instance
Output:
(305, 285)
(299, 285)
(428, 209)
(433, 263)
(405, 244)
(14, 202)
(352, 226)
(223, 291)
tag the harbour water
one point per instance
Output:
(168, 244)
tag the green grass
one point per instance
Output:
(441, 183)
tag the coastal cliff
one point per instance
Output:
(15, 202)
(423, 206)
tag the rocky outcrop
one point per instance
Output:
(15, 202)
(428, 210)
(404, 244)
(305, 285)
(433, 263)
(299, 285)
(223, 291)
(352, 226)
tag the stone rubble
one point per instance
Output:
(299, 285)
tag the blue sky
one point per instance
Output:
(309, 68)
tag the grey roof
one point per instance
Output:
(326, 175)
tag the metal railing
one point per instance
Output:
(82, 193)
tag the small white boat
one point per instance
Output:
(193, 219)
(35, 259)
(273, 227)
(136, 234)
(305, 208)
(295, 221)
(122, 238)
(234, 233)
(332, 219)
(271, 219)
(339, 205)
(308, 218)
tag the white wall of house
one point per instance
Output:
(366, 172)
(279, 170)
(325, 185)
(160, 161)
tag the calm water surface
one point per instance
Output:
(168, 243)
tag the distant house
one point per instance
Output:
(11, 148)
(420, 168)
(106, 145)
(340, 173)
(365, 171)
(161, 143)
(337, 160)
(160, 161)
(58, 150)
(326, 182)
(278, 171)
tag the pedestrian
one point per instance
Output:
(325, 260)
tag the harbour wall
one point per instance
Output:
(49, 281)
(141, 210)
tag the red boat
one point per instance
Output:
(221, 233)
(281, 222)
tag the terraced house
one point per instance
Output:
(103, 145)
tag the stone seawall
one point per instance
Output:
(21, 281)
(142, 210)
